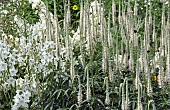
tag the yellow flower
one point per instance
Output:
(154, 78)
(75, 7)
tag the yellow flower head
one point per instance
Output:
(155, 78)
(75, 7)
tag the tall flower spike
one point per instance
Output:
(149, 87)
(79, 93)
(107, 100)
(168, 60)
(127, 94)
(88, 91)
(139, 104)
(110, 72)
(72, 71)
(113, 12)
(122, 90)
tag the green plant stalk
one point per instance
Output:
(72, 88)
(153, 104)
(93, 77)
(93, 91)
(60, 85)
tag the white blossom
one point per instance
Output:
(3, 66)
(19, 82)
(11, 81)
(13, 71)
(21, 99)
(4, 12)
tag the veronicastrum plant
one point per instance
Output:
(84, 55)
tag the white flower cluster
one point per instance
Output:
(20, 55)
(44, 14)
(21, 99)
(34, 3)
(30, 48)
(95, 20)
(39, 57)
(96, 10)
(4, 12)
(76, 37)
(5, 57)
